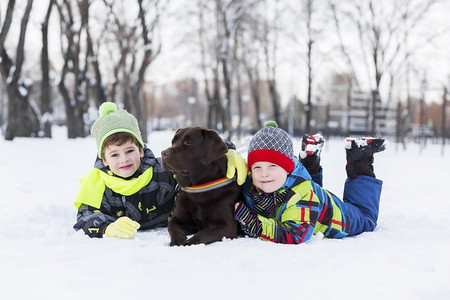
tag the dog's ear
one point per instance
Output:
(213, 147)
(176, 136)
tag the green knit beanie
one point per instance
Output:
(112, 121)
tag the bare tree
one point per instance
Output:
(239, 96)
(136, 42)
(210, 62)
(270, 46)
(249, 60)
(344, 50)
(312, 24)
(231, 12)
(122, 35)
(383, 31)
(72, 74)
(147, 31)
(444, 119)
(308, 6)
(91, 58)
(22, 118)
(45, 83)
(253, 76)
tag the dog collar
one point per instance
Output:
(212, 185)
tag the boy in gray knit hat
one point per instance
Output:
(127, 189)
(283, 203)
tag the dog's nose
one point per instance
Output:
(164, 153)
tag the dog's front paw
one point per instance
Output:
(178, 241)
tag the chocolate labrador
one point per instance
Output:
(205, 206)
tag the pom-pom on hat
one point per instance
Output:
(272, 144)
(112, 121)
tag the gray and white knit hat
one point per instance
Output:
(272, 144)
(112, 121)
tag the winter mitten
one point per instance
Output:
(360, 155)
(249, 222)
(123, 228)
(310, 152)
(236, 163)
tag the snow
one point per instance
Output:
(360, 142)
(42, 257)
(11, 74)
(148, 47)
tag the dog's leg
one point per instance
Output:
(177, 235)
(214, 234)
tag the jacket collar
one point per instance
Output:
(299, 172)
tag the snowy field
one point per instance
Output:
(42, 257)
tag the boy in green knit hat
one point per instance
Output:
(128, 189)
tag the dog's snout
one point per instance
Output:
(164, 153)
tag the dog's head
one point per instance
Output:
(197, 154)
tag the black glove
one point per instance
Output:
(360, 155)
(230, 144)
(310, 152)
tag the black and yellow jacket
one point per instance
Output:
(147, 197)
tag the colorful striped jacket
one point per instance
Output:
(306, 210)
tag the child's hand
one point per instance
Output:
(249, 221)
(123, 228)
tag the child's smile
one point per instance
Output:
(123, 160)
(268, 176)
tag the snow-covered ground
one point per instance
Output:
(42, 257)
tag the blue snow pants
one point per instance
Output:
(360, 202)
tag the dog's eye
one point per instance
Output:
(187, 143)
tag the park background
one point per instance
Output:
(339, 67)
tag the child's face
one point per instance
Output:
(268, 176)
(123, 160)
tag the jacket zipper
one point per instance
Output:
(124, 202)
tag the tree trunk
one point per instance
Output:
(46, 110)
(75, 104)
(217, 106)
(444, 119)
(136, 88)
(309, 96)
(375, 101)
(74, 113)
(22, 119)
(239, 100)
(275, 103)
(226, 126)
(91, 57)
(255, 95)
